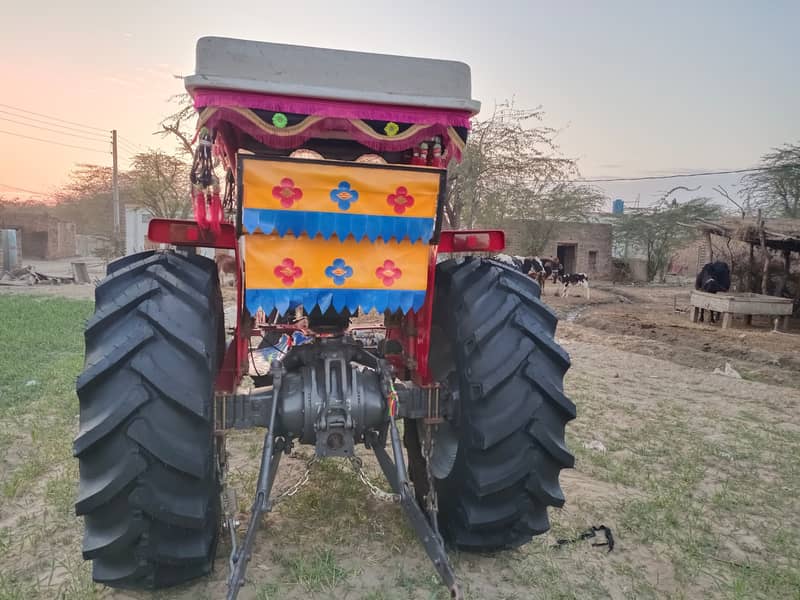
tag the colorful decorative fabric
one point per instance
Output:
(342, 199)
(376, 135)
(283, 272)
(330, 108)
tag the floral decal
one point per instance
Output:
(287, 271)
(400, 200)
(339, 271)
(287, 193)
(391, 129)
(344, 195)
(388, 273)
(279, 120)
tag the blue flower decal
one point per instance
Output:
(339, 271)
(344, 195)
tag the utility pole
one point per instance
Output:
(115, 186)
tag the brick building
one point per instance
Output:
(581, 247)
(41, 236)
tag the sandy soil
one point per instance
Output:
(696, 477)
(60, 268)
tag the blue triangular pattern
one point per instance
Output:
(341, 224)
(380, 300)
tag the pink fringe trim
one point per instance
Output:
(332, 108)
(228, 122)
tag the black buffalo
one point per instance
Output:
(713, 278)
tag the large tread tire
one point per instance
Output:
(149, 491)
(493, 341)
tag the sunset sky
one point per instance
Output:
(640, 88)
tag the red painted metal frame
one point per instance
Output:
(413, 331)
(189, 233)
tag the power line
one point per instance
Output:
(19, 189)
(76, 135)
(30, 112)
(130, 142)
(683, 175)
(52, 142)
(82, 131)
(127, 147)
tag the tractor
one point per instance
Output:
(330, 200)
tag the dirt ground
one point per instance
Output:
(60, 268)
(696, 473)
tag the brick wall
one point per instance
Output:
(42, 236)
(586, 238)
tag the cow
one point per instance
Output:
(520, 263)
(575, 280)
(226, 266)
(713, 278)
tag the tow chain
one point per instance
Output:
(432, 498)
(358, 467)
(296, 486)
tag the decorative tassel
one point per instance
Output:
(436, 158)
(228, 202)
(200, 209)
(423, 153)
(215, 216)
(415, 157)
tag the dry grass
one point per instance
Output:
(699, 482)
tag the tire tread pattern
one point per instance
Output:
(148, 488)
(510, 373)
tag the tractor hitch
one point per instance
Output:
(333, 394)
(240, 556)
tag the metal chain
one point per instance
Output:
(358, 467)
(295, 487)
(431, 497)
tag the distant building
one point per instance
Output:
(135, 227)
(581, 247)
(41, 236)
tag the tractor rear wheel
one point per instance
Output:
(149, 490)
(496, 463)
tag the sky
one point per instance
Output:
(635, 88)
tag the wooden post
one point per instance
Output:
(787, 264)
(751, 280)
(762, 236)
(708, 246)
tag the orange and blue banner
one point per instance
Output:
(327, 198)
(283, 272)
(359, 233)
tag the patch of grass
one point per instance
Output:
(424, 580)
(42, 343)
(336, 506)
(315, 572)
(269, 591)
(61, 492)
(13, 587)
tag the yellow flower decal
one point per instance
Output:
(392, 129)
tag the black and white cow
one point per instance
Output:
(522, 263)
(575, 280)
(713, 278)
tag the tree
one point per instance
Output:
(510, 165)
(178, 124)
(160, 184)
(742, 205)
(664, 229)
(564, 202)
(86, 199)
(776, 187)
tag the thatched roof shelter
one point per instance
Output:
(779, 234)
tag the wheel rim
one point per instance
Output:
(444, 435)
